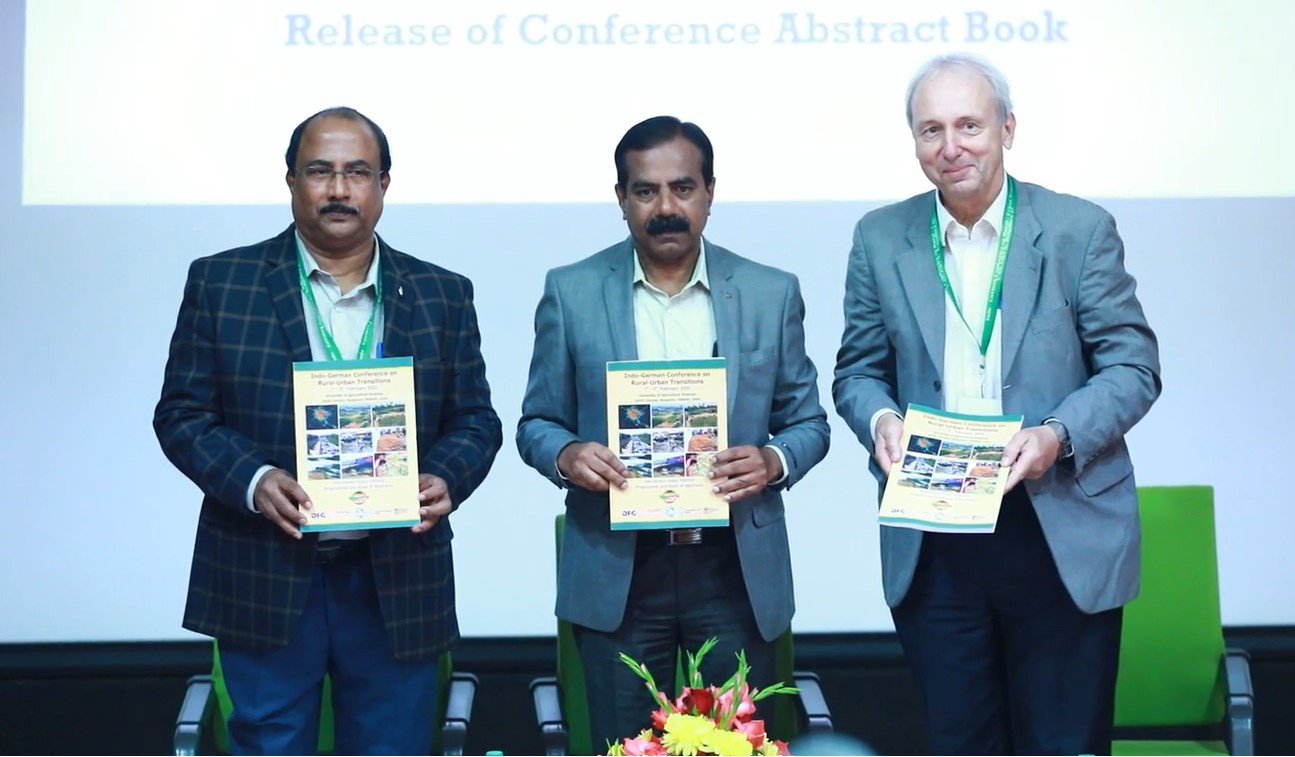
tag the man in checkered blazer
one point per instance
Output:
(373, 609)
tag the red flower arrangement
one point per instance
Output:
(704, 720)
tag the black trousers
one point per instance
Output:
(680, 596)
(1006, 663)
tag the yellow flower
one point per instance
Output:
(768, 749)
(726, 743)
(684, 733)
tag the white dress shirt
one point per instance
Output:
(674, 327)
(680, 326)
(972, 384)
(345, 316)
(969, 256)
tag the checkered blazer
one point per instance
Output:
(226, 409)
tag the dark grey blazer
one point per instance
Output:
(585, 319)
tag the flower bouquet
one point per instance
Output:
(704, 720)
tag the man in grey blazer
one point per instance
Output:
(1013, 636)
(666, 293)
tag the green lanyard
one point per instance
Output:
(995, 283)
(330, 346)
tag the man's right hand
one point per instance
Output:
(276, 498)
(885, 441)
(592, 466)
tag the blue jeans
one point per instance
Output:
(380, 705)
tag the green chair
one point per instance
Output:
(561, 708)
(1179, 691)
(207, 706)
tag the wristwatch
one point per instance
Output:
(1063, 435)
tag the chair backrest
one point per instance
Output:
(219, 715)
(571, 680)
(782, 725)
(571, 675)
(1172, 639)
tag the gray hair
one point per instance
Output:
(964, 62)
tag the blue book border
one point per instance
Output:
(350, 365)
(708, 363)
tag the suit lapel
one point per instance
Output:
(396, 308)
(1020, 278)
(726, 303)
(618, 299)
(285, 293)
(922, 285)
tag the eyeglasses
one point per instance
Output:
(355, 175)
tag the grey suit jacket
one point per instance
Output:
(1076, 346)
(585, 319)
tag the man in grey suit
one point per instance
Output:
(993, 296)
(666, 293)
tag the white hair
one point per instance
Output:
(963, 62)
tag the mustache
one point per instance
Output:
(337, 207)
(666, 224)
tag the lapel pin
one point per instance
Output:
(728, 295)
(400, 291)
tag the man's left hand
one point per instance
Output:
(433, 500)
(748, 471)
(1031, 452)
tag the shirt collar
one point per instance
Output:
(993, 215)
(370, 278)
(699, 275)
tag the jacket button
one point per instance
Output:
(936, 385)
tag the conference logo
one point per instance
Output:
(359, 498)
(669, 496)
